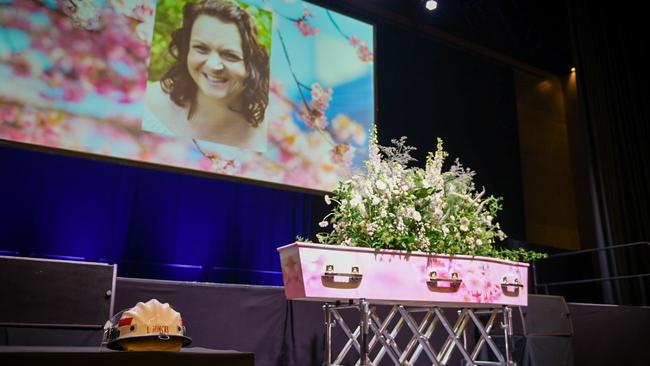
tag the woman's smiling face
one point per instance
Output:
(215, 59)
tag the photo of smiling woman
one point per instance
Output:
(217, 88)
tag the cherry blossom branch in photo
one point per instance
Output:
(363, 52)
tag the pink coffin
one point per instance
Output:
(325, 273)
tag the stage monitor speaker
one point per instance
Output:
(543, 333)
(544, 316)
(55, 293)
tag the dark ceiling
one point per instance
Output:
(535, 33)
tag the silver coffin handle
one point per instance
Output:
(354, 275)
(511, 288)
(454, 281)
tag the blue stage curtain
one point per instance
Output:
(152, 223)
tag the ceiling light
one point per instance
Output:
(431, 5)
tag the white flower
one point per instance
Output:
(355, 201)
(464, 224)
(328, 200)
(381, 185)
(375, 200)
(414, 214)
(445, 229)
(501, 235)
(417, 216)
(363, 211)
(479, 242)
(400, 224)
(323, 223)
(371, 228)
(438, 212)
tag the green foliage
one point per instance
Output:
(169, 16)
(302, 239)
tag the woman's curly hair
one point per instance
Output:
(177, 81)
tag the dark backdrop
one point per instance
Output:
(171, 225)
(611, 50)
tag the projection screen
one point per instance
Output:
(275, 91)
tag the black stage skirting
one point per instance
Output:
(611, 335)
(254, 319)
(84, 356)
(260, 321)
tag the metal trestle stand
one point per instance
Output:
(384, 333)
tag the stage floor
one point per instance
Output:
(83, 356)
(259, 321)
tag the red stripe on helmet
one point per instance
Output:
(125, 321)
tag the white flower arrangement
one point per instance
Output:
(394, 206)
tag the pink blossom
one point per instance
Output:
(314, 118)
(286, 157)
(205, 164)
(305, 28)
(167, 150)
(303, 25)
(135, 93)
(50, 134)
(298, 177)
(226, 166)
(142, 12)
(306, 13)
(345, 129)
(320, 98)
(20, 66)
(342, 154)
(28, 119)
(84, 14)
(276, 87)
(81, 61)
(73, 93)
(314, 115)
(9, 113)
(284, 139)
(364, 53)
(140, 50)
